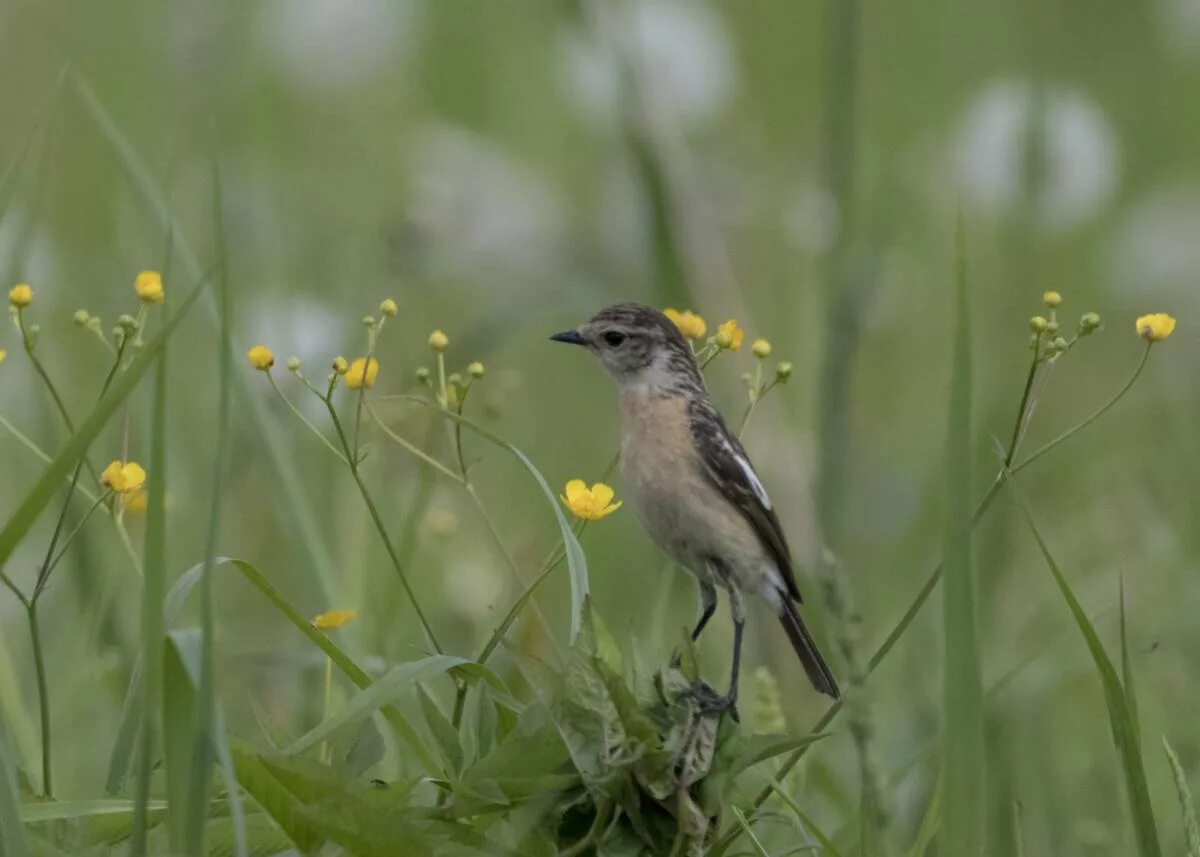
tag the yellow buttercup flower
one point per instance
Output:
(331, 620)
(124, 477)
(1155, 327)
(20, 296)
(261, 358)
(690, 325)
(438, 341)
(730, 336)
(591, 504)
(149, 287)
(361, 373)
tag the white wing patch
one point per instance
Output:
(759, 491)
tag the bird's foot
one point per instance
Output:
(711, 702)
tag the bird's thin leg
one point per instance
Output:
(708, 606)
(739, 625)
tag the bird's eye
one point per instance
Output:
(614, 338)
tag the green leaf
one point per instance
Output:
(443, 732)
(44, 490)
(1120, 717)
(153, 587)
(58, 810)
(276, 800)
(1191, 830)
(1127, 664)
(180, 673)
(962, 688)
(396, 681)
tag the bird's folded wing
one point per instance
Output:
(728, 468)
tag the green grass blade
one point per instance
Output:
(154, 582)
(12, 834)
(826, 843)
(929, 823)
(1191, 830)
(62, 810)
(1120, 718)
(962, 689)
(576, 560)
(394, 682)
(181, 655)
(43, 491)
(1127, 665)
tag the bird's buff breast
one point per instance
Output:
(665, 481)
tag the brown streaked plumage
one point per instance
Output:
(690, 480)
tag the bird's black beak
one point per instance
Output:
(569, 336)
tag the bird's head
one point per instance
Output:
(638, 346)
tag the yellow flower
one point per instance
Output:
(730, 336)
(331, 620)
(1155, 327)
(591, 504)
(341, 365)
(1052, 299)
(761, 349)
(124, 477)
(690, 325)
(438, 341)
(3, 354)
(20, 296)
(388, 307)
(361, 373)
(149, 287)
(136, 505)
(261, 358)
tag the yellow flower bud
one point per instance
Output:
(730, 336)
(362, 373)
(1088, 323)
(341, 365)
(293, 364)
(81, 317)
(261, 358)
(438, 341)
(149, 287)
(1037, 324)
(20, 296)
(422, 374)
(783, 371)
(761, 349)
(475, 370)
(1052, 299)
(1155, 327)
(127, 323)
(368, 321)
(389, 308)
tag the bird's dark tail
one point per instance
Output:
(806, 648)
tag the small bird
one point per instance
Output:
(690, 481)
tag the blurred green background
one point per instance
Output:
(505, 169)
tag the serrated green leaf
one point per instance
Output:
(276, 801)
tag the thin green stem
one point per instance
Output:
(362, 387)
(25, 441)
(39, 664)
(1093, 417)
(304, 419)
(1016, 433)
(599, 824)
(379, 525)
(71, 537)
(414, 449)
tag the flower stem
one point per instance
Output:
(1089, 420)
(39, 663)
(325, 748)
(304, 419)
(414, 449)
(377, 519)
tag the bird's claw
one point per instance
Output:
(711, 702)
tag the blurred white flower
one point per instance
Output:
(1157, 247)
(1079, 153)
(479, 209)
(473, 587)
(684, 56)
(328, 45)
